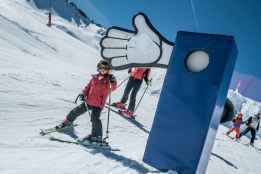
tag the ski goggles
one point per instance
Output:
(102, 67)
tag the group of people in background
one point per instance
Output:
(96, 92)
(252, 125)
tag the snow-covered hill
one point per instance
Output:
(249, 85)
(42, 70)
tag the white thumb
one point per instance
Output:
(143, 26)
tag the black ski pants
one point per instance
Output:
(253, 133)
(132, 86)
(95, 113)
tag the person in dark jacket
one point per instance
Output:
(134, 83)
(94, 96)
(252, 126)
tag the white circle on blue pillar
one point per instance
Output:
(197, 61)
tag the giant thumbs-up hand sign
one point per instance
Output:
(143, 47)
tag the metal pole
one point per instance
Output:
(141, 99)
(49, 15)
(122, 82)
(109, 110)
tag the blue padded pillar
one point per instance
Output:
(191, 104)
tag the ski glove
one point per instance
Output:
(81, 97)
(112, 79)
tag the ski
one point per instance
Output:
(44, 132)
(249, 145)
(131, 120)
(243, 143)
(99, 146)
(257, 148)
(231, 138)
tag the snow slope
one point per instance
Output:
(42, 70)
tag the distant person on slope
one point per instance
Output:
(237, 121)
(252, 126)
(94, 96)
(134, 83)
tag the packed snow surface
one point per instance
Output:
(43, 69)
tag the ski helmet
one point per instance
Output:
(103, 64)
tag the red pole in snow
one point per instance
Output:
(49, 19)
(49, 24)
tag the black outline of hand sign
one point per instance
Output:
(143, 47)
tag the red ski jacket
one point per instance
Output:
(139, 73)
(237, 121)
(97, 91)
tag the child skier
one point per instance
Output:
(133, 86)
(94, 96)
(252, 126)
(237, 121)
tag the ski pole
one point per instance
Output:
(141, 99)
(76, 99)
(122, 82)
(108, 118)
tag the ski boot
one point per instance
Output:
(65, 124)
(90, 139)
(128, 114)
(119, 105)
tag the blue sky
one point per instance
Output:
(240, 18)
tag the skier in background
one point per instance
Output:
(94, 96)
(252, 126)
(237, 121)
(134, 83)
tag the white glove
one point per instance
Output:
(143, 47)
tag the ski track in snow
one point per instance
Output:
(42, 70)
